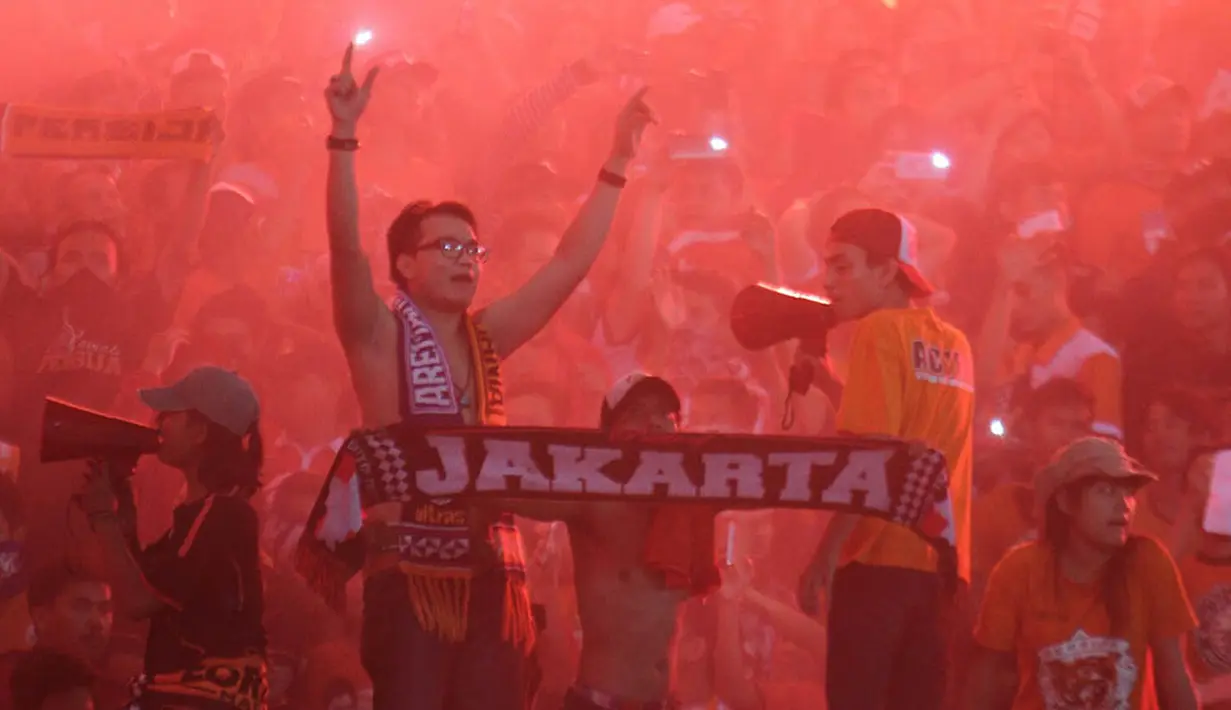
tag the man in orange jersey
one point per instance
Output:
(1031, 335)
(911, 377)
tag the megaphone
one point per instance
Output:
(73, 432)
(764, 315)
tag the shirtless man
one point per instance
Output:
(628, 613)
(435, 258)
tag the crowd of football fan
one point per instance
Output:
(1073, 215)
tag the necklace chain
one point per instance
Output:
(463, 393)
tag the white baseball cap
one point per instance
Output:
(633, 384)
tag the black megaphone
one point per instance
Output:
(763, 316)
(72, 432)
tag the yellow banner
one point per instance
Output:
(37, 132)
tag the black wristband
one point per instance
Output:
(611, 178)
(349, 145)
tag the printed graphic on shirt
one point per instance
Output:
(940, 366)
(1213, 634)
(1087, 673)
(72, 351)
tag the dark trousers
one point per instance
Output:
(574, 700)
(164, 701)
(413, 669)
(887, 644)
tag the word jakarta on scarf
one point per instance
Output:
(882, 477)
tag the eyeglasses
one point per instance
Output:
(453, 249)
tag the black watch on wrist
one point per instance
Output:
(348, 145)
(611, 178)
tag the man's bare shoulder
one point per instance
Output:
(373, 365)
(378, 343)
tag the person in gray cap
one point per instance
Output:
(208, 422)
(200, 583)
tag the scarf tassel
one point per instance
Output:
(441, 602)
(442, 605)
(518, 626)
(324, 573)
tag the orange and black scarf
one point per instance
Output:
(433, 540)
(893, 480)
(238, 682)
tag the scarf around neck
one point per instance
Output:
(434, 542)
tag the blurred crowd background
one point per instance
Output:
(1067, 164)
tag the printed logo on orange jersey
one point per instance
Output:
(1087, 673)
(941, 366)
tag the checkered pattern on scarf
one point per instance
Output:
(434, 544)
(386, 468)
(926, 482)
(384, 471)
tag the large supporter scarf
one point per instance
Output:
(884, 478)
(38, 132)
(236, 682)
(433, 542)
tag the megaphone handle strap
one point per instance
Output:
(126, 509)
(788, 411)
(815, 346)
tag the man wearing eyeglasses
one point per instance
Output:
(446, 618)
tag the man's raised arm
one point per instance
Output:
(518, 317)
(356, 305)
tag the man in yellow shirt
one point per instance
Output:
(911, 377)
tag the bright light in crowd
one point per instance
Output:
(996, 428)
(718, 144)
(362, 37)
(940, 161)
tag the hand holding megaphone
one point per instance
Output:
(763, 315)
(97, 496)
(812, 368)
(107, 496)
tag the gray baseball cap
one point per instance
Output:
(219, 395)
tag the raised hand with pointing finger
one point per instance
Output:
(346, 99)
(634, 118)
(435, 257)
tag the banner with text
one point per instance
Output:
(38, 132)
(904, 483)
(900, 482)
